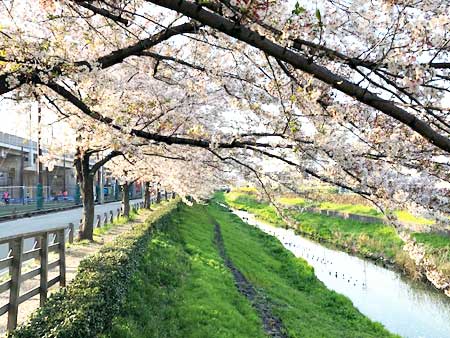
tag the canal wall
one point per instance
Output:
(425, 264)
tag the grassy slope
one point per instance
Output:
(183, 289)
(367, 239)
(357, 209)
(306, 307)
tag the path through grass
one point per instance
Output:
(305, 306)
(183, 289)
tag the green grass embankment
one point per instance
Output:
(183, 289)
(371, 240)
(86, 307)
(305, 306)
(350, 208)
(335, 202)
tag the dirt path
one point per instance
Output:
(74, 254)
(272, 325)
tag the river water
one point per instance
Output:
(410, 309)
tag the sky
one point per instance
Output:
(21, 120)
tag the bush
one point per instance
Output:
(408, 265)
(87, 306)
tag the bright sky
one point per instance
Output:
(21, 120)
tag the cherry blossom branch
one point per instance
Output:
(354, 61)
(105, 159)
(309, 171)
(159, 138)
(242, 33)
(255, 172)
(103, 62)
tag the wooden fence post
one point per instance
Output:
(112, 216)
(62, 258)
(99, 222)
(105, 218)
(44, 268)
(14, 292)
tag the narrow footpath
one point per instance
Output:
(272, 325)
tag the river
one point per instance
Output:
(405, 307)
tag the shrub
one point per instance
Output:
(408, 265)
(87, 306)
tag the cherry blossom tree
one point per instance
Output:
(354, 94)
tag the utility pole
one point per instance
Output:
(22, 174)
(102, 177)
(39, 190)
(64, 172)
(48, 183)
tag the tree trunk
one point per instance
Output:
(85, 177)
(87, 196)
(147, 195)
(158, 195)
(86, 181)
(126, 199)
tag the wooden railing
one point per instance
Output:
(45, 242)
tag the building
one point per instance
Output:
(19, 174)
(19, 170)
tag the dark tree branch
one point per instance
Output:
(102, 12)
(104, 160)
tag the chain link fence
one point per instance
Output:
(17, 200)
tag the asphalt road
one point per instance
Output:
(50, 220)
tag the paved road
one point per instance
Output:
(51, 220)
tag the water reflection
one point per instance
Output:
(410, 309)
